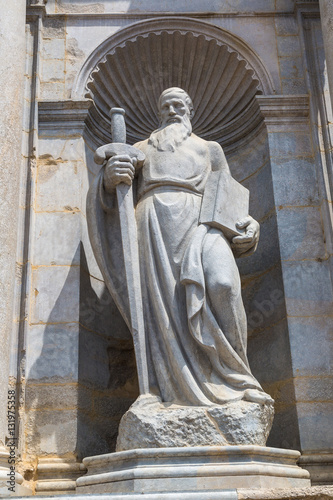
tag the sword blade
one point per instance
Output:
(129, 238)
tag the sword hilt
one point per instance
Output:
(118, 126)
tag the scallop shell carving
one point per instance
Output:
(133, 74)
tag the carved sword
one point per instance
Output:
(129, 241)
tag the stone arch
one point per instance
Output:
(220, 71)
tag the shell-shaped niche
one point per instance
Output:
(132, 75)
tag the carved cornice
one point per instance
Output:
(130, 69)
(57, 475)
(307, 3)
(69, 115)
(36, 3)
(308, 8)
(36, 9)
(284, 108)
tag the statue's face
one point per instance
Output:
(173, 109)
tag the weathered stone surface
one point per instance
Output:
(49, 249)
(314, 493)
(59, 302)
(71, 7)
(52, 173)
(288, 45)
(290, 144)
(316, 415)
(286, 26)
(308, 288)
(311, 345)
(295, 181)
(293, 86)
(94, 360)
(273, 340)
(301, 233)
(141, 6)
(52, 432)
(54, 49)
(159, 425)
(53, 28)
(52, 352)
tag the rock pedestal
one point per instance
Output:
(162, 425)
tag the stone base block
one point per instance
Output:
(192, 470)
(320, 466)
(57, 476)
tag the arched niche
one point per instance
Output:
(130, 69)
(223, 75)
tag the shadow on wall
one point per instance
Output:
(107, 369)
(263, 292)
(51, 390)
(83, 379)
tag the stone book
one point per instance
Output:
(225, 202)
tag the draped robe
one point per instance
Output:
(195, 324)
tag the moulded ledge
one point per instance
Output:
(194, 469)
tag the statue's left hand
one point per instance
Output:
(247, 243)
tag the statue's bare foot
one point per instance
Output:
(255, 396)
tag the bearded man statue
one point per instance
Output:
(195, 323)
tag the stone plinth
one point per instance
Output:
(320, 467)
(197, 469)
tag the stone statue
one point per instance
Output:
(195, 323)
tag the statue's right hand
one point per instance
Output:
(119, 168)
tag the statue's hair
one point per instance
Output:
(178, 90)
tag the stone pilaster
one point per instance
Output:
(52, 393)
(305, 268)
(326, 15)
(12, 35)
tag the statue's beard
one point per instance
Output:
(169, 137)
